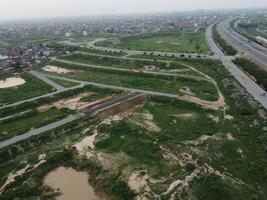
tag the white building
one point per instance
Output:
(85, 33)
(67, 34)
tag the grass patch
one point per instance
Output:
(254, 70)
(165, 84)
(33, 120)
(63, 83)
(32, 88)
(229, 50)
(168, 42)
(111, 62)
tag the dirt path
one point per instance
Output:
(220, 103)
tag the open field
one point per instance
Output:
(63, 83)
(169, 42)
(118, 62)
(31, 88)
(160, 148)
(33, 119)
(202, 89)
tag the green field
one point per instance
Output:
(32, 88)
(173, 42)
(256, 33)
(118, 62)
(28, 121)
(172, 149)
(63, 83)
(166, 84)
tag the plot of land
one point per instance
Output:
(174, 42)
(55, 69)
(11, 82)
(31, 120)
(22, 88)
(202, 89)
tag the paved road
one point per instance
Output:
(251, 49)
(46, 80)
(83, 83)
(39, 97)
(93, 111)
(137, 52)
(243, 79)
(43, 76)
(132, 70)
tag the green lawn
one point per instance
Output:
(166, 84)
(110, 62)
(254, 32)
(32, 88)
(26, 122)
(173, 42)
(63, 83)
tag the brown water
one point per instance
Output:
(72, 184)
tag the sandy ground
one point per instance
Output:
(185, 115)
(11, 82)
(72, 103)
(204, 138)
(145, 120)
(216, 119)
(54, 69)
(86, 146)
(214, 105)
(229, 117)
(28, 168)
(187, 91)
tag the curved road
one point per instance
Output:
(255, 90)
(138, 52)
(251, 49)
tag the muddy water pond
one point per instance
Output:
(71, 184)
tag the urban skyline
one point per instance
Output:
(16, 9)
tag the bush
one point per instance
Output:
(225, 47)
(254, 70)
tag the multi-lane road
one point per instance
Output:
(249, 48)
(255, 90)
(68, 119)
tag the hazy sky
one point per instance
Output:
(51, 8)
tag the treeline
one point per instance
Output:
(254, 70)
(224, 46)
(242, 32)
(70, 48)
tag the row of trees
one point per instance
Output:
(254, 70)
(225, 47)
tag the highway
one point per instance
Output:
(251, 49)
(93, 111)
(255, 90)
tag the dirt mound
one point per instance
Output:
(145, 120)
(54, 69)
(11, 82)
